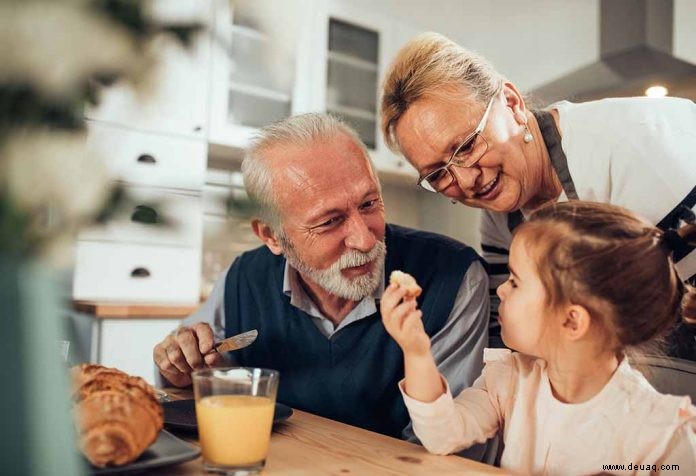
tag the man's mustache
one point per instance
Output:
(353, 258)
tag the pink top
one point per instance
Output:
(627, 422)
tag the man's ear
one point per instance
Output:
(576, 322)
(266, 234)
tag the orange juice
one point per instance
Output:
(234, 430)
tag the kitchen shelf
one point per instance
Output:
(249, 32)
(352, 112)
(352, 61)
(260, 92)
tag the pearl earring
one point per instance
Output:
(527, 135)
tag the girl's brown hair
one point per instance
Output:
(615, 264)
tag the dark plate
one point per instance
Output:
(181, 414)
(166, 450)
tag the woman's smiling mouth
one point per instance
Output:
(490, 190)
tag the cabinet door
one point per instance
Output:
(175, 99)
(391, 162)
(127, 344)
(350, 53)
(135, 273)
(151, 160)
(155, 217)
(345, 63)
(253, 67)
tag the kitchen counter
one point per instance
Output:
(110, 310)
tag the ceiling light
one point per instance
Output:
(656, 91)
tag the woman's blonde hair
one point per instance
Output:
(425, 67)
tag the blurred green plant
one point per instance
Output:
(56, 58)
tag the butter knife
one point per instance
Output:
(235, 342)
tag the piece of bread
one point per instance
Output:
(407, 281)
(117, 415)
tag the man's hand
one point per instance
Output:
(184, 351)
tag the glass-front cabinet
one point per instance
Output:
(252, 73)
(351, 77)
(350, 50)
(273, 58)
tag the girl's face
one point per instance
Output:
(523, 313)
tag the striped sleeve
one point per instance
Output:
(495, 245)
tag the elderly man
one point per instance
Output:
(312, 290)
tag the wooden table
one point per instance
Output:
(310, 444)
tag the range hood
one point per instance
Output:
(635, 53)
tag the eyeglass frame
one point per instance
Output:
(453, 160)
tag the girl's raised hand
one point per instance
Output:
(403, 321)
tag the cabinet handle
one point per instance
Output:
(144, 214)
(147, 159)
(140, 273)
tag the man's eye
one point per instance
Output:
(330, 222)
(512, 282)
(368, 205)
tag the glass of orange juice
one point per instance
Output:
(234, 411)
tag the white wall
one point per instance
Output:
(402, 204)
(454, 220)
(530, 41)
(685, 30)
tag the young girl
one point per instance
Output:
(588, 281)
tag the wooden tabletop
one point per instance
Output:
(310, 444)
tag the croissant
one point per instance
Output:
(117, 415)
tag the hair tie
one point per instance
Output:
(673, 240)
(686, 214)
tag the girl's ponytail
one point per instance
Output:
(682, 239)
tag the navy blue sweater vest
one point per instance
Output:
(351, 377)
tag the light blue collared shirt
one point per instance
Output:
(299, 298)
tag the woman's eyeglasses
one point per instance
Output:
(467, 154)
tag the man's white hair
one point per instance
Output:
(300, 130)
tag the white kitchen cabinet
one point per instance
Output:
(154, 143)
(271, 59)
(155, 217)
(127, 344)
(350, 51)
(252, 79)
(153, 160)
(352, 77)
(136, 273)
(149, 251)
(175, 100)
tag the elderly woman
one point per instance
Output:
(469, 133)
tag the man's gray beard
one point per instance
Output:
(331, 279)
